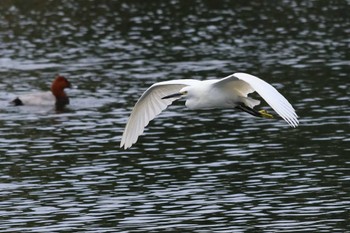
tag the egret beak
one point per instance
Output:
(176, 95)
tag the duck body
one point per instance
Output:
(56, 97)
(40, 98)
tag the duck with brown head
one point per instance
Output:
(57, 89)
(56, 97)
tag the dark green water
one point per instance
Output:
(191, 171)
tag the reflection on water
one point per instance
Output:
(192, 171)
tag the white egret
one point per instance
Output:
(229, 92)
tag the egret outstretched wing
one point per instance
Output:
(220, 93)
(277, 101)
(149, 106)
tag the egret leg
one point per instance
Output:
(251, 111)
(265, 114)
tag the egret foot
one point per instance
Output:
(265, 114)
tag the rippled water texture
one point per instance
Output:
(191, 171)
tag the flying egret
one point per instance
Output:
(229, 92)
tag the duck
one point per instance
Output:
(55, 97)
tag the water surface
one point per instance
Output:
(191, 171)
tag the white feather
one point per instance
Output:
(40, 98)
(149, 106)
(221, 93)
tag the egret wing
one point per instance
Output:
(277, 101)
(233, 83)
(149, 106)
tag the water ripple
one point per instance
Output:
(191, 171)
